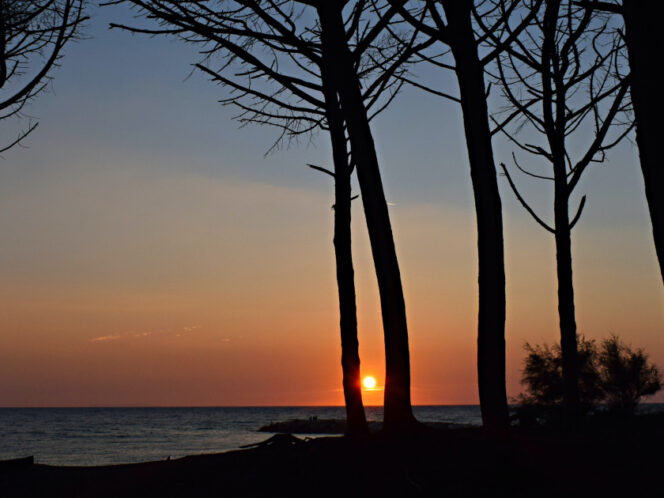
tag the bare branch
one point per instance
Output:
(523, 201)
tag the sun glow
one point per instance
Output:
(369, 382)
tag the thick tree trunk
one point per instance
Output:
(642, 35)
(566, 311)
(397, 408)
(488, 210)
(356, 422)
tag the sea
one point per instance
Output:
(105, 436)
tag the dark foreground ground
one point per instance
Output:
(603, 461)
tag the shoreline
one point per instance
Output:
(601, 461)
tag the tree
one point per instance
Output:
(450, 23)
(570, 51)
(33, 34)
(298, 65)
(641, 35)
(543, 376)
(612, 374)
(341, 62)
(625, 375)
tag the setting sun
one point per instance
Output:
(369, 382)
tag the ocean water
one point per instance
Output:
(102, 436)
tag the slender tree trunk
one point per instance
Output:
(566, 311)
(397, 408)
(642, 35)
(488, 210)
(356, 422)
(554, 92)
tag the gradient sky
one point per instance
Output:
(152, 255)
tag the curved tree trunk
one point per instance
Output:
(642, 35)
(356, 422)
(488, 210)
(397, 408)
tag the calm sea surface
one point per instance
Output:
(99, 436)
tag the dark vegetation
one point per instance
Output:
(613, 379)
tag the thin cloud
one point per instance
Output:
(104, 338)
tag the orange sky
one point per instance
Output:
(121, 289)
(151, 255)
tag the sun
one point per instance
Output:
(369, 382)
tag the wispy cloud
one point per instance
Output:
(104, 338)
(157, 334)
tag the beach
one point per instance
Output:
(599, 461)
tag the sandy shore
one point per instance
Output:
(602, 462)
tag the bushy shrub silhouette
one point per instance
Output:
(611, 374)
(625, 375)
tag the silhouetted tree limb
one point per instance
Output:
(273, 57)
(641, 35)
(33, 34)
(523, 202)
(569, 62)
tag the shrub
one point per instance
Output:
(612, 374)
(625, 375)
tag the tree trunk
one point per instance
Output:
(356, 422)
(397, 406)
(554, 95)
(642, 35)
(566, 311)
(488, 210)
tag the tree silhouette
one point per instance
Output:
(626, 375)
(641, 35)
(570, 51)
(612, 374)
(298, 65)
(33, 34)
(543, 378)
(451, 23)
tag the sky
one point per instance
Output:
(153, 255)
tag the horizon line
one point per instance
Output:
(220, 406)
